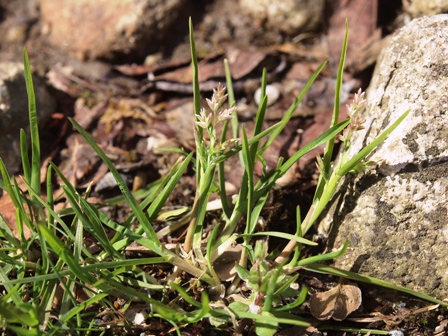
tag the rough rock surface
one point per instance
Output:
(418, 8)
(395, 218)
(109, 28)
(14, 111)
(288, 16)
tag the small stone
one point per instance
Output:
(272, 92)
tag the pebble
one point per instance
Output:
(272, 92)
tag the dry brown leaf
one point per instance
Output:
(8, 212)
(225, 264)
(336, 303)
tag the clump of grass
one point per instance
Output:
(263, 293)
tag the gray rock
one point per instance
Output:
(418, 8)
(288, 16)
(109, 28)
(14, 111)
(395, 218)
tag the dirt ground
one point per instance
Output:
(121, 107)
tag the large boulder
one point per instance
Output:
(110, 28)
(395, 217)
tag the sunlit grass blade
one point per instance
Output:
(324, 257)
(231, 99)
(356, 159)
(34, 129)
(287, 117)
(337, 99)
(297, 303)
(283, 235)
(63, 252)
(182, 292)
(146, 224)
(324, 269)
(162, 197)
(294, 320)
(24, 156)
(324, 137)
(24, 313)
(226, 208)
(328, 152)
(77, 309)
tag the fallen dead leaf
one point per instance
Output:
(8, 212)
(225, 264)
(336, 303)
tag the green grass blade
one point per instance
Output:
(324, 257)
(24, 156)
(24, 315)
(299, 300)
(328, 152)
(226, 208)
(198, 315)
(79, 308)
(251, 141)
(283, 235)
(195, 69)
(324, 269)
(146, 224)
(337, 99)
(161, 199)
(182, 292)
(324, 137)
(50, 200)
(353, 162)
(231, 98)
(282, 124)
(34, 129)
(64, 253)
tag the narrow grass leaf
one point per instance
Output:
(324, 269)
(24, 156)
(80, 307)
(324, 257)
(146, 224)
(162, 197)
(183, 293)
(353, 162)
(266, 328)
(324, 137)
(354, 330)
(25, 332)
(34, 129)
(295, 304)
(282, 124)
(21, 313)
(283, 235)
(197, 316)
(328, 154)
(272, 318)
(61, 250)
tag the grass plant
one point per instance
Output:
(52, 284)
